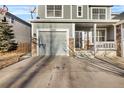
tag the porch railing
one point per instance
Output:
(109, 45)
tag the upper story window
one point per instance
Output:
(54, 11)
(79, 11)
(98, 13)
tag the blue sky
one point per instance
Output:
(23, 11)
(118, 8)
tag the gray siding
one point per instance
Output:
(67, 12)
(74, 12)
(41, 11)
(52, 26)
(21, 31)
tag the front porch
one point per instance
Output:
(95, 37)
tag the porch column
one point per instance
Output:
(94, 28)
(33, 42)
(73, 35)
(115, 35)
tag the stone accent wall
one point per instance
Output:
(118, 40)
(71, 46)
(34, 47)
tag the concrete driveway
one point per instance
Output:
(61, 72)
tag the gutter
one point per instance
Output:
(72, 21)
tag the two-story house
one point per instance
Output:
(63, 29)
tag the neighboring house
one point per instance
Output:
(119, 16)
(21, 28)
(113, 15)
(64, 29)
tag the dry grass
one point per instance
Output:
(12, 57)
(9, 59)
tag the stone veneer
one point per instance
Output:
(118, 40)
(34, 47)
(71, 46)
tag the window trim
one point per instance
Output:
(105, 29)
(99, 8)
(51, 16)
(81, 10)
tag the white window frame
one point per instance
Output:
(81, 10)
(99, 8)
(98, 29)
(53, 16)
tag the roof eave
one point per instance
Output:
(120, 22)
(71, 21)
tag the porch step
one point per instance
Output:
(87, 54)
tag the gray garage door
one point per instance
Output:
(52, 43)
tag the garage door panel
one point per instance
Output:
(44, 43)
(59, 43)
(55, 41)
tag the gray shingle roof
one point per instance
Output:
(17, 18)
(120, 16)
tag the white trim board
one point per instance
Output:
(48, 30)
(98, 29)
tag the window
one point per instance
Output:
(54, 11)
(78, 39)
(79, 11)
(100, 35)
(98, 13)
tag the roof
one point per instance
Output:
(17, 18)
(100, 5)
(72, 21)
(120, 16)
(120, 22)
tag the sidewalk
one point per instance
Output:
(117, 61)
